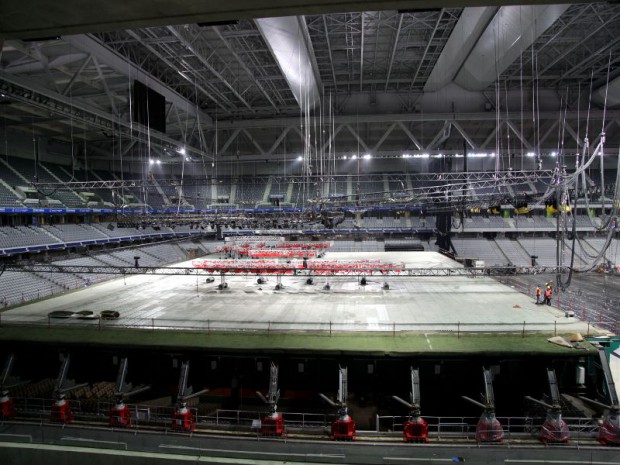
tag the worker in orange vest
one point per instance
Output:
(538, 294)
(548, 294)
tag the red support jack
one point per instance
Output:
(61, 408)
(488, 429)
(415, 428)
(61, 411)
(7, 410)
(120, 414)
(343, 427)
(272, 424)
(609, 434)
(554, 429)
(183, 420)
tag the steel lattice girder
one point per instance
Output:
(283, 271)
(476, 179)
(458, 191)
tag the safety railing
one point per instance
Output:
(514, 427)
(440, 427)
(327, 328)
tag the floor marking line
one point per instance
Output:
(173, 446)
(413, 459)
(97, 441)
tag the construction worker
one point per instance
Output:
(538, 294)
(548, 294)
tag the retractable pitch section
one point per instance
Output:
(272, 424)
(7, 382)
(609, 433)
(554, 428)
(61, 408)
(415, 428)
(343, 427)
(488, 429)
(183, 418)
(120, 415)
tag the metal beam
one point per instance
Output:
(229, 141)
(384, 136)
(244, 66)
(105, 86)
(23, 90)
(208, 93)
(411, 137)
(41, 268)
(462, 132)
(428, 46)
(180, 34)
(67, 88)
(569, 50)
(278, 141)
(253, 141)
(393, 54)
(329, 50)
(362, 51)
(519, 134)
(596, 115)
(122, 65)
(441, 136)
(357, 136)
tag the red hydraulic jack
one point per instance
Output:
(272, 424)
(554, 429)
(7, 409)
(183, 420)
(415, 428)
(120, 414)
(488, 429)
(343, 427)
(61, 411)
(609, 433)
(61, 408)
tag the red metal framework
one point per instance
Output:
(275, 249)
(326, 267)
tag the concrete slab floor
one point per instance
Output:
(413, 304)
